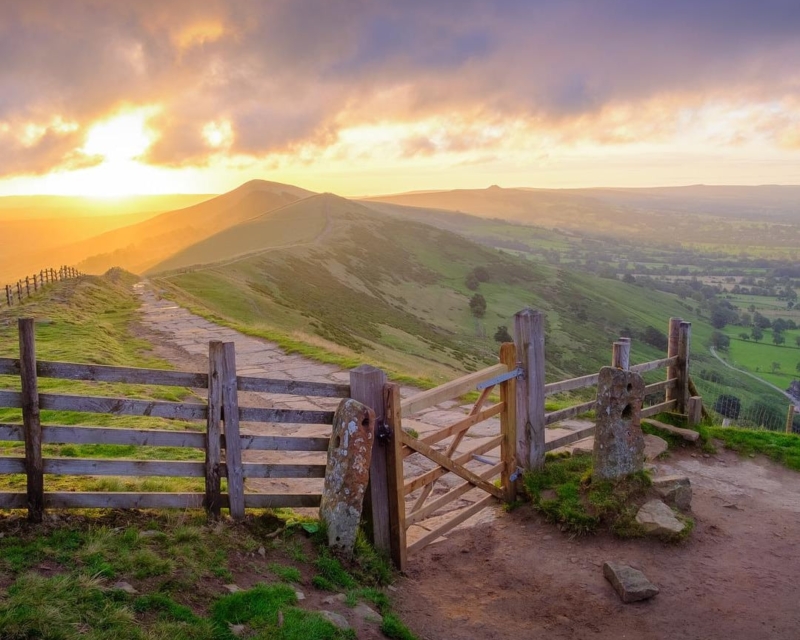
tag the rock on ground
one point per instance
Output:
(629, 583)
(654, 447)
(676, 491)
(335, 619)
(658, 519)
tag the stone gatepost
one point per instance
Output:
(347, 473)
(618, 438)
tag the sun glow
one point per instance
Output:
(121, 138)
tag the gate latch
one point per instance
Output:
(519, 372)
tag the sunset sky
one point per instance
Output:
(360, 97)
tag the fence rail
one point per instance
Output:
(221, 440)
(29, 285)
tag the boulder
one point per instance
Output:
(676, 491)
(367, 613)
(629, 583)
(347, 473)
(618, 439)
(336, 619)
(654, 447)
(658, 519)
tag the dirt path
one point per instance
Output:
(519, 577)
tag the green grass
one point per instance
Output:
(566, 494)
(56, 581)
(757, 357)
(781, 447)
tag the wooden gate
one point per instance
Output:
(412, 497)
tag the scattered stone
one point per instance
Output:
(365, 612)
(335, 619)
(236, 629)
(339, 597)
(654, 446)
(126, 587)
(280, 619)
(150, 533)
(262, 552)
(618, 439)
(705, 455)
(752, 455)
(300, 595)
(233, 588)
(630, 584)
(658, 519)
(676, 491)
(733, 506)
(347, 473)
(391, 588)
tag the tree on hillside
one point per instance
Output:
(472, 282)
(757, 333)
(797, 367)
(761, 321)
(629, 279)
(720, 341)
(778, 338)
(655, 338)
(744, 336)
(776, 366)
(797, 341)
(477, 305)
(502, 334)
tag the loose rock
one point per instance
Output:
(629, 583)
(335, 619)
(658, 519)
(367, 613)
(236, 629)
(347, 473)
(126, 587)
(676, 491)
(233, 588)
(654, 446)
(300, 595)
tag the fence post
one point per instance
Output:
(672, 350)
(394, 468)
(35, 283)
(8, 295)
(626, 353)
(682, 385)
(529, 339)
(366, 386)
(233, 443)
(28, 286)
(508, 422)
(213, 430)
(30, 419)
(790, 419)
(694, 411)
(19, 291)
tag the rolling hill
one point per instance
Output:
(140, 246)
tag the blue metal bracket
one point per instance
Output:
(519, 372)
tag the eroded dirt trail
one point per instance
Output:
(519, 577)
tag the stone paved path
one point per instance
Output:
(260, 358)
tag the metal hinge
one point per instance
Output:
(519, 372)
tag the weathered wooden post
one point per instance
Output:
(529, 340)
(394, 467)
(790, 419)
(213, 430)
(508, 422)
(625, 356)
(27, 286)
(19, 291)
(672, 351)
(31, 420)
(366, 386)
(9, 298)
(695, 411)
(682, 384)
(35, 283)
(233, 442)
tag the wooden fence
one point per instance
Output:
(222, 442)
(523, 419)
(24, 288)
(520, 379)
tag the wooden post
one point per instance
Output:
(366, 386)
(529, 340)
(682, 385)
(19, 291)
(9, 297)
(616, 355)
(31, 420)
(695, 411)
(27, 286)
(233, 443)
(213, 430)
(394, 468)
(672, 350)
(508, 422)
(790, 419)
(35, 283)
(625, 357)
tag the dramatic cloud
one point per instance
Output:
(251, 79)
